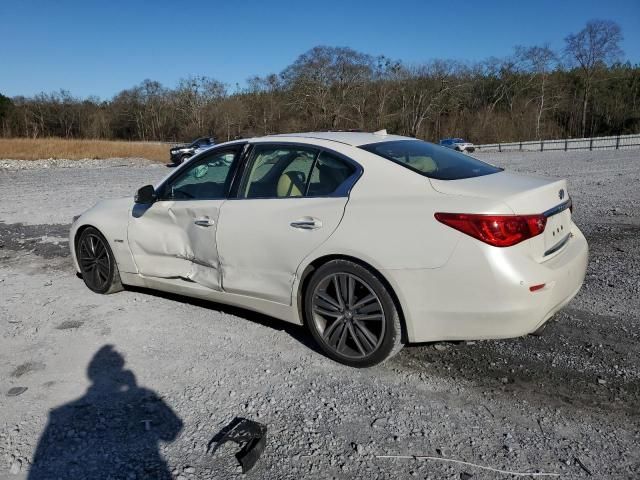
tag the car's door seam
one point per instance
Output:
(295, 274)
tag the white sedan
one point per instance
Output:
(369, 240)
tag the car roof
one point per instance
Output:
(349, 138)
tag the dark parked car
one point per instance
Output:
(180, 153)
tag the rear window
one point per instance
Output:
(431, 160)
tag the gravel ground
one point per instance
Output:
(135, 385)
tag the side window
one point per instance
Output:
(207, 179)
(278, 172)
(328, 174)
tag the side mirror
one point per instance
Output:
(146, 195)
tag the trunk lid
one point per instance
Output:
(524, 195)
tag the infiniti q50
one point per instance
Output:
(369, 240)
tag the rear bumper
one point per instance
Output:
(483, 292)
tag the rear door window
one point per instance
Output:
(281, 171)
(278, 171)
(328, 175)
(431, 160)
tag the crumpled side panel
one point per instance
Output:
(200, 242)
(166, 243)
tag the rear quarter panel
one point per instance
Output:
(389, 218)
(389, 223)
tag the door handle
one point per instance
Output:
(204, 222)
(307, 223)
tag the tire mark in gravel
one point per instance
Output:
(532, 370)
(70, 325)
(614, 262)
(27, 368)
(46, 241)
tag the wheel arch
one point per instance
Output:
(306, 275)
(113, 281)
(114, 236)
(76, 238)
(82, 228)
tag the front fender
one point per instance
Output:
(111, 218)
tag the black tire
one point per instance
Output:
(336, 320)
(97, 263)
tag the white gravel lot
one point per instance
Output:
(567, 402)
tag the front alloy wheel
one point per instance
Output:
(97, 264)
(352, 315)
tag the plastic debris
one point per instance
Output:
(250, 435)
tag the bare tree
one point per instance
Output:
(264, 102)
(540, 62)
(194, 94)
(323, 81)
(6, 106)
(595, 46)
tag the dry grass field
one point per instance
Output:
(34, 149)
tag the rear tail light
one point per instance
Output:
(496, 230)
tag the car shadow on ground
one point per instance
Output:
(297, 332)
(113, 431)
(547, 370)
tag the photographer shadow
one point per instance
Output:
(113, 431)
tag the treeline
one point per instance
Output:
(584, 90)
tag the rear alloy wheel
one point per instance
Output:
(351, 314)
(97, 264)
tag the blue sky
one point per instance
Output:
(101, 47)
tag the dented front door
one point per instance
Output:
(177, 239)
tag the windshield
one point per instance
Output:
(431, 160)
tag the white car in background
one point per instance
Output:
(370, 240)
(458, 144)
